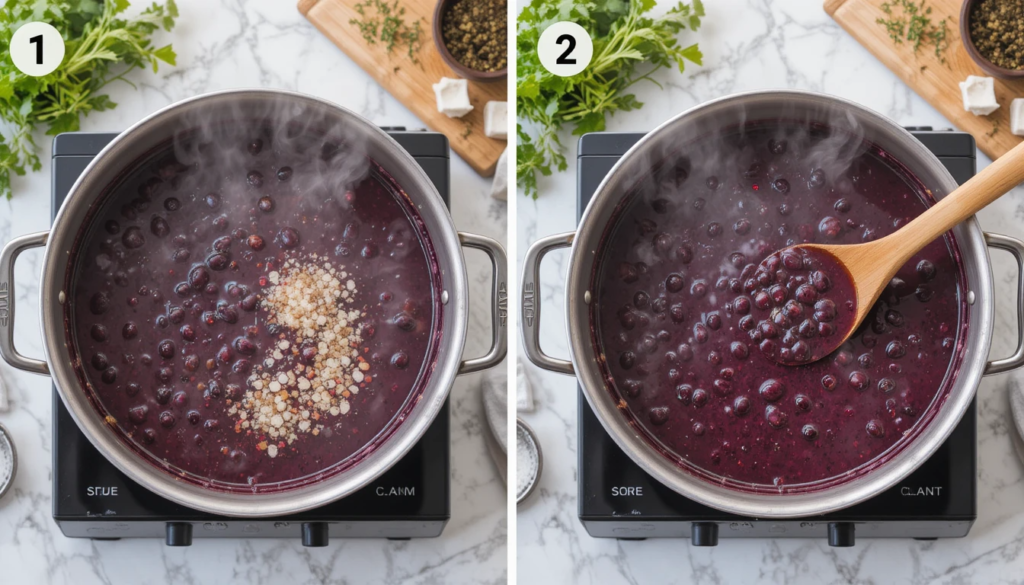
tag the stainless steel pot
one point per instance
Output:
(639, 161)
(111, 162)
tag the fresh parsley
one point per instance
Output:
(100, 48)
(628, 47)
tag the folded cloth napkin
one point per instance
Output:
(4, 405)
(494, 393)
(1017, 412)
(524, 392)
(499, 187)
(495, 390)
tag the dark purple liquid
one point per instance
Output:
(797, 306)
(171, 322)
(683, 351)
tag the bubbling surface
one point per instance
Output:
(688, 332)
(245, 322)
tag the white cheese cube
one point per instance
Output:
(496, 120)
(979, 95)
(1017, 116)
(452, 97)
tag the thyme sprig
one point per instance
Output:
(911, 21)
(384, 22)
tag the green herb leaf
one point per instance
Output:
(165, 54)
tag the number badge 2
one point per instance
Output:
(565, 49)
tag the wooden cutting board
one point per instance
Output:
(411, 82)
(932, 79)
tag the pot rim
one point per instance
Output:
(371, 465)
(950, 409)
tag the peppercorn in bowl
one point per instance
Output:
(993, 35)
(472, 37)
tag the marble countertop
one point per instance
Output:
(225, 44)
(760, 44)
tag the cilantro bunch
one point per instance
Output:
(628, 47)
(99, 47)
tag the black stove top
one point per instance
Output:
(92, 499)
(619, 500)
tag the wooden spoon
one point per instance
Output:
(868, 268)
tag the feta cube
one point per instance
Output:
(979, 95)
(496, 120)
(452, 97)
(1017, 116)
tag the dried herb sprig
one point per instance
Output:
(382, 21)
(911, 21)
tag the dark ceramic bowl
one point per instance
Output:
(986, 65)
(460, 69)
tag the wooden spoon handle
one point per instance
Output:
(990, 184)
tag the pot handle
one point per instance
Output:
(1016, 248)
(8, 257)
(530, 303)
(499, 303)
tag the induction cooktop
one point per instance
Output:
(93, 499)
(617, 499)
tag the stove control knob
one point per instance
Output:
(179, 534)
(840, 534)
(314, 534)
(704, 534)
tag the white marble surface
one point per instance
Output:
(225, 44)
(756, 44)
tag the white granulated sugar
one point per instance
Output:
(292, 393)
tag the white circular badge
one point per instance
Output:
(37, 49)
(565, 49)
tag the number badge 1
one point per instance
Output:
(565, 49)
(37, 49)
